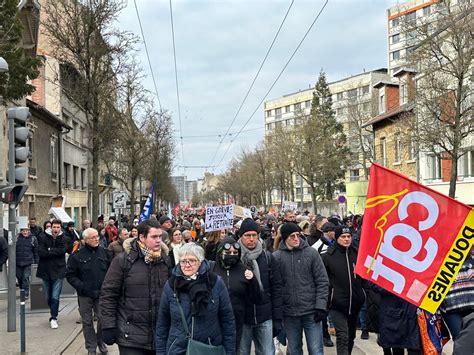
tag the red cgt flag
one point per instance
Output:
(414, 239)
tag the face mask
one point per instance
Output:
(230, 260)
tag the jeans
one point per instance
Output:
(346, 326)
(52, 290)
(313, 332)
(23, 274)
(123, 350)
(262, 335)
(453, 322)
(87, 306)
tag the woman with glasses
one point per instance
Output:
(201, 296)
(243, 287)
(175, 242)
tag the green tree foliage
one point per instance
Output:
(22, 67)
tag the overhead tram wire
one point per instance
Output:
(147, 55)
(277, 78)
(220, 135)
(177, 89)
(253, 82)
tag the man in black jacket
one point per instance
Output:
(52, 266)
(26, 254)
(3, 250)
(305, 290)
(262, 321)
(131, 292)
(34, 228)
(86, 271)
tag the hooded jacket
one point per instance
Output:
(52, 251)
(345, 287)
(304, 279)
(216, 327)
(131, 294)
(3, 251)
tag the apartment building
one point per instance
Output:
(353, 104)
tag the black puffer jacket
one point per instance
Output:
(131, 295)
(270, 305)
(3, 251)
(345, 287)
(26, 250)
(52, 262)
(305, 282)
(86, 270)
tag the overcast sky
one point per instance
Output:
(220, 44)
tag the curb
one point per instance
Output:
(69, 340)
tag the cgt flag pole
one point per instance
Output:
(148, 207)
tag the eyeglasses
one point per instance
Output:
(227, 246)
(190, 262)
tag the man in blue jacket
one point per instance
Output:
(26, 254)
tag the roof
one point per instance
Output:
(384, 83)
(44, 112)
(404, 70)
(397, 111)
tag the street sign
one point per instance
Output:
(120, 200)
(341, 199)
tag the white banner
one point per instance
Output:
(219, 217)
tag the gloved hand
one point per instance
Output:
(108, 335)
(320, 315)
(277, 327)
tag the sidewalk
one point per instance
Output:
(40, 338)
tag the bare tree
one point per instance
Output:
(444, 93)
(87, 43)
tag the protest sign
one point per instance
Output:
(289, 206)
(219, 217)
(242, 212)
(414, 239)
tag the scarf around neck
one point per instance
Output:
(149, 255)
(250, 257)
(198, 291)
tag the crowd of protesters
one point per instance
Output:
(164, 285)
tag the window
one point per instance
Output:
(398, 148)
(307, 104)
(83, 179)
(53, 165)
(365, 107)
(395, 22)
(287, 108)
(354, 175)
(288, 122)
(395, 55)
(278, 113)
(383, 151)
(396, 38)
(411, 148)
(75, 177)
(352, 93)
(466, 164)
(82, 135)
(269, 113)
(297, 106)
(340, 96)
(427, 10)
(75, 131)
(67, 177)
(365, 89)
(403, 94)
(382, 103)
(434, 167)
(410, 17)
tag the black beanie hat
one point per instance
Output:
(328, 227)
(248, 225)
(288, 228)
(340, 230)
(164, 218)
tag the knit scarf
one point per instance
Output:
(149, 255)
(198, 292)
(250, 257)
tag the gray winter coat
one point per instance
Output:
(305, 282)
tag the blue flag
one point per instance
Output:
(147, 208)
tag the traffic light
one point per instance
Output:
(18, 153)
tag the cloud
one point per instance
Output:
(220, 45)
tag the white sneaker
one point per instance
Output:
(278, 350)
(54, 324)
